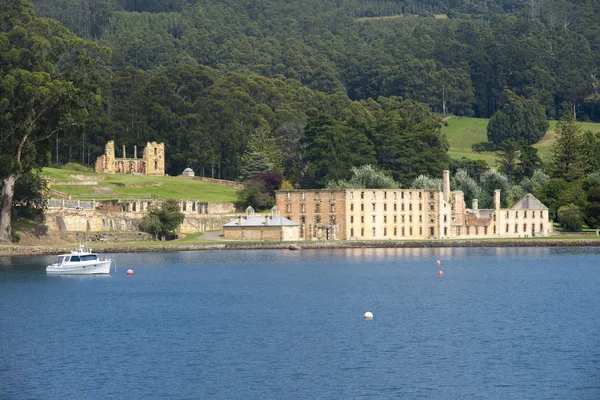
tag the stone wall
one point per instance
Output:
(77, 182)
(94, 221)
(152, 162)
(262, 233)
(154, 156)
(187, 207)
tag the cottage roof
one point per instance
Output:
(529, 202)
(260, 220)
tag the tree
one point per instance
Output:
(265, 143)
(365, 177)
(506, 160)
(537, 180)
(258, 192)
(48, 80)
(463, 182)
(163, 220)
(331, 148)
(489, 182)
(408, 141)
(529, 161)
(570, 218)
(254, 163)
(474, 168)
(592, 209)
(28, 200)
(324, 149)
(567, 151)
(591, 151)
(425, 182)
(519, 119)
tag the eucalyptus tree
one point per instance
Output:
(48, 79)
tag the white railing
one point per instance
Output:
(60, 204)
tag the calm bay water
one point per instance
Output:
(504, 323)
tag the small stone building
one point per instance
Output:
(151, 163)
(253, 227)
(188, 172)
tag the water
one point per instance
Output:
(499, 324)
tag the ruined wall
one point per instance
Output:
(187, 207)
(154, 157)
(93, 221)
(319, 212)
(152, 162)
(263, 233)
(105, 164)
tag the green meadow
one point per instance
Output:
(464, 132)
(139, 186)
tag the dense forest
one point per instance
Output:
(206, 72)
(203, 75)
(456, 56)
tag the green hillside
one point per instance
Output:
(463, 132)
(139, 186)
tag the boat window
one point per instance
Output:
(89, 257)
(67, 258)
(74, 258)
(60, 260)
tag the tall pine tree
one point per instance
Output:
(567, 151)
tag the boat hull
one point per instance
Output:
(83, 268)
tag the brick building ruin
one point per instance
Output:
(396, 214)
(151, 163)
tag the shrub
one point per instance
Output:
(73, 166)
(163, 221)
(15, 237)
(570, 218)
(255, 194)
(483, 146)
(592, 215)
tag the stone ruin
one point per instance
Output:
(151, 163)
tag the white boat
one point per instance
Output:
(80, 262)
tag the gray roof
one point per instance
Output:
(260, 220)
(529, 202)
(188, 170)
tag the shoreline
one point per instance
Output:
(23, 251)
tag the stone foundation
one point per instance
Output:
(93, 221)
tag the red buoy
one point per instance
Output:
(440, 273)
(129, 272)
(438, 262)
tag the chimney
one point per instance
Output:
(475, 204)
(240, 220)
(497, 199)
(446, 185)
(124, 156)
(134, 151)
(266, 220)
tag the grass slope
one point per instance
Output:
(140, 186)
(463, 132)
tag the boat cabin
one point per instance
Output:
(85, 257)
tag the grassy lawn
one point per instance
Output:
(463, 132)
(64, 174)
(120, 186)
